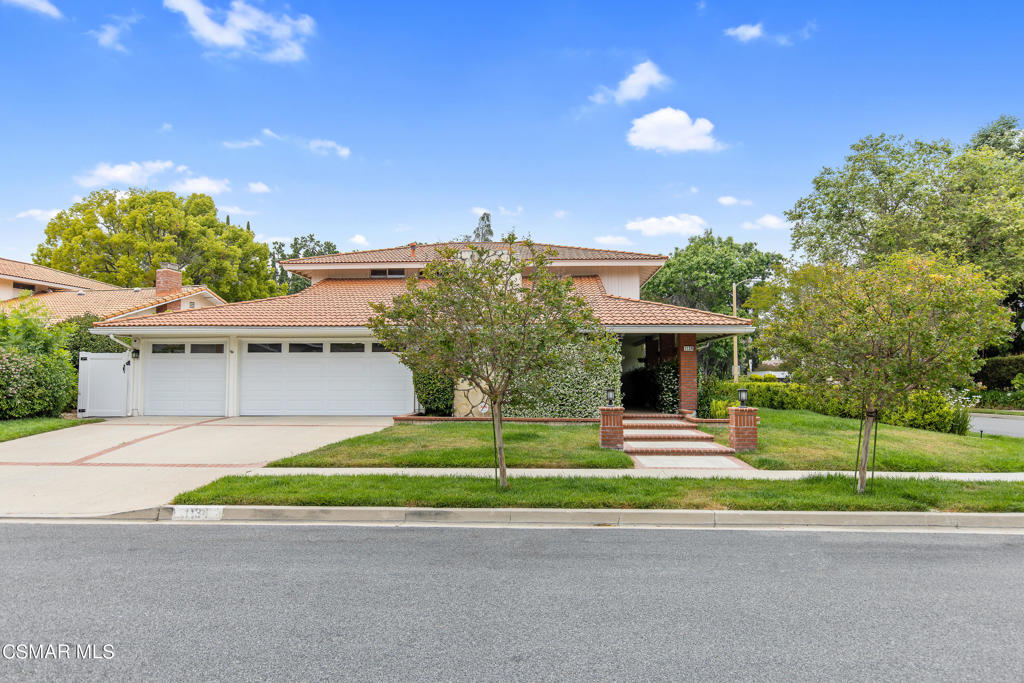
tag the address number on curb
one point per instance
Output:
(198, 513)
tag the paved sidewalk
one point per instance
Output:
(651, 472)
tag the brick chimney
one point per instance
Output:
(168, 282)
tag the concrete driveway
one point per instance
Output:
(1007, 425)
(132, 463)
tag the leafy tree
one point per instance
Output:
(301, 247)
(911, 322)
(483, 231)
(123, 237)
(1004, 134)
(701, 276)
(25, 328)
(78, 338)
(472, 318)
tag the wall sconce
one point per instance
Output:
(135, 354)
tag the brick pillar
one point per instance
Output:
(687, 345)
(611, 427)
(743, 428)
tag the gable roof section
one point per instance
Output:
(346, 303)
(429, 252)
(19, 270)
(106, 303)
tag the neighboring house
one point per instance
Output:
(311, 353)
(65, 295)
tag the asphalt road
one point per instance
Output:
(315, 603)
(1007, 425)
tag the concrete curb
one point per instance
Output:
(498, 516)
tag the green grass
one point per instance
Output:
(815, 493)
(802, 440)
(993, 411)
(15, 429)
(466, 444)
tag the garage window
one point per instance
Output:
(348, 347)
(168, 348)
(379, 348)
(263, 348)
(305, 347)
(207, 348)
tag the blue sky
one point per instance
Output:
(374, 124)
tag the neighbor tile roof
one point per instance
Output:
(346, 303)
(428, 252)
(30, 271)
(105, 303)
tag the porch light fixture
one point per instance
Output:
(609, 395)
(743, 397)
(135, 354)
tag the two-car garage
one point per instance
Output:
(272, 377)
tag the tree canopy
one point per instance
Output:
(473, 319)
(910, 322)
(483, 231)
(122, 238)
(300, 247)
(1003, 134)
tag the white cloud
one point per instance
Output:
(746, 32)
(247, 30)
(613, 241)
(635, 86)
(202, 185)
(271, 134)
(672, 130)
(181, 168)
(242, 144)
(258, 188)
(478, 210)
(166, 128)
(728, 200)
(766, 221)
(360, 240)
(326, 147)
(132, 173)
(237, 211)
(681, 224)
(694, 189)
(561, 213)
(41, 215)
(510, 212)
(41, 6)
(109, 35)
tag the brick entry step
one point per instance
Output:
(666, 434)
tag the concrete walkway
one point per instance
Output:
(649, 472)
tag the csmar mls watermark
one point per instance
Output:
(56, 651)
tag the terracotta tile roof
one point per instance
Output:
(30, 271)
(428, 252)
(346, 303)
(106, 303)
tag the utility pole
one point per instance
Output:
(735, 343)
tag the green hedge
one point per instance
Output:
(996, 399)
(436, 393)
(35, 384)
(574, 391)
(922, 409)
(998, 372)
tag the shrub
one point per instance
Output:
(998, 372)
(586, 372)
(24, 327)
(996, 399)
(35, 384)
(720, 409)
(1018, 382)
(707, 387)
(78, 337)
(666, 386)
(435, 392)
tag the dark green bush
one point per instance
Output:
(666, 386)
(998, 372)
(78, 338)
(33, 384)
(996, 399)
(435, 392)
(707, 387)
(579, 388)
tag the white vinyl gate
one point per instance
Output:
(104, 382)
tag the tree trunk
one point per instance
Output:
(865, 451)
(499, 445)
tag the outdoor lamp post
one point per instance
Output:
(609, 394)
(743, 397)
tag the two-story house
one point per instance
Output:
(311, 353)
(66, 295)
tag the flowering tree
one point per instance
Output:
(472, 317)
(912, 322)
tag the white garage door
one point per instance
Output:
(185, 378)
(322, 378)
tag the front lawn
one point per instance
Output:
(27, 426)
(802, 440)
(814, 493)
(466, 444)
